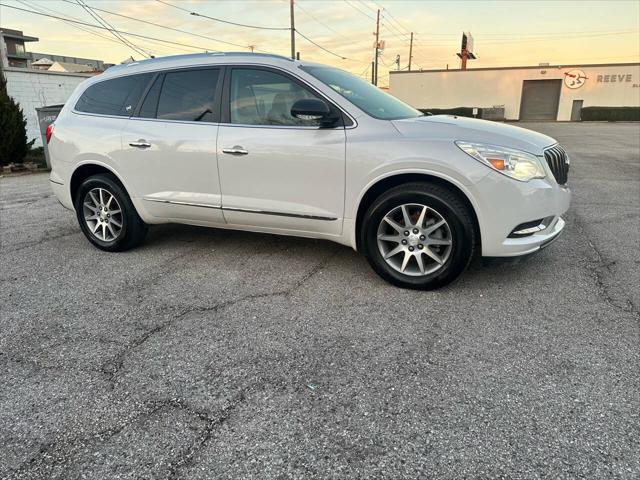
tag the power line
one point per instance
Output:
(104, 28)
(190, 12)
(112, 30)
(87, 30)
(289, 29)
(319, 21)
(320, 46)
(164, 26)
(358, 10)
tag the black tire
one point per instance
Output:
(450, 207)
(133, 229)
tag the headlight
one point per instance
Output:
(514, 163)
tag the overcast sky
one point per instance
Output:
(505, 32)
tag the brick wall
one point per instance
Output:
(34, 89)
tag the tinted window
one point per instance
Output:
(114, 97)
(261, 97)
(188, 95)
(363, 95)
(149, 107)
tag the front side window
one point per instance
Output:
(114, 97)
(188, 95)
(262, 97)
(363, 95)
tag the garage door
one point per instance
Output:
(540, 99)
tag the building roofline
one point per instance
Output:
(537, 67)
(17, 35)
(47, 72)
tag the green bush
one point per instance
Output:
(13, 141)
(36, 155)
(611, 114)
(458, 111)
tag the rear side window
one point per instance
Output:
(114, 97)
(186, 95)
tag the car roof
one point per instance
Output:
(192, 59)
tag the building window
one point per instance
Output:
(17, 63)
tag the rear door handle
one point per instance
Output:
(236, 150)
(140, 144)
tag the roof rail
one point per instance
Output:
(185, 56)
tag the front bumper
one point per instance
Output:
(506, 203)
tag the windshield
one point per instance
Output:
(363, 95)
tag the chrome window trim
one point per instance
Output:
(241, 210)
(190, 122)
(220, 65)
(308, 85)
(287, 127)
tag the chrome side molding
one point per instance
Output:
(241, 210)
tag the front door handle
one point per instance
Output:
(140, 144)
(236, 150)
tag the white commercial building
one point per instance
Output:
(545, 92)
(32, 84)
(36, 88)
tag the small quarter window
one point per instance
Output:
(261, 97)
(114, 97)
(188, 95)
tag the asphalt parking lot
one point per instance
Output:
(219, 354)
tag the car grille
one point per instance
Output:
(558, 162)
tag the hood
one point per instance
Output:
(474, 130)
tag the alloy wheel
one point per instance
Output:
(414, 239)
(102, 214)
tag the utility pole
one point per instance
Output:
(410, 50)
(293, 31)
(375, 73)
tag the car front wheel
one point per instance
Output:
(418, 236)
(106, 215)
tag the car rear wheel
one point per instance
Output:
(106, 214)
(418, 236)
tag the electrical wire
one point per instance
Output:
(298, 6)
(163, 26)
(254, 26)
(358, 10)
(320, 46)
(111, 30)
(190, 12)
(87, 30)
(104, 28)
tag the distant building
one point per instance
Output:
(543, 92)
(70, 67)
(35, 80)
(42, 64)
(15, 54)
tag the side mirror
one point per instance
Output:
(313, 109)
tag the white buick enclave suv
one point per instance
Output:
(268, 144)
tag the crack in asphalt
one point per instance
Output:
(187, 458)
(58, 453)
(113, 367)
(46, 450)
(598, 273)
(35, 243)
